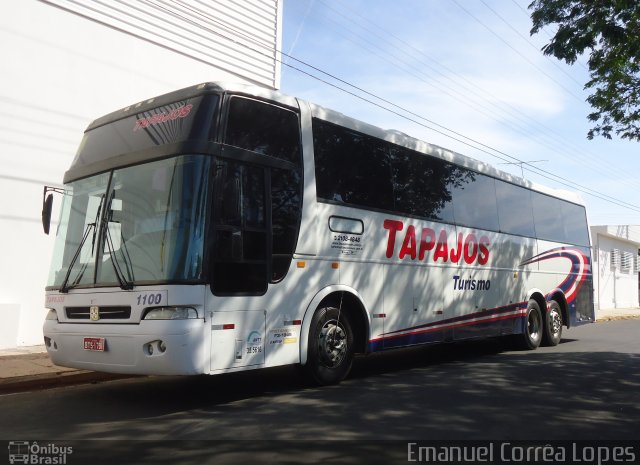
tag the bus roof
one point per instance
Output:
(393, 136)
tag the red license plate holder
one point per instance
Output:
(94, 344)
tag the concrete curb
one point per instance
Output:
(616, 318)
(53, 380)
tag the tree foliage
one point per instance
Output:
(609, 31)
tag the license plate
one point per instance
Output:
(94, 343)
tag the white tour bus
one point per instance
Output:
(222, 228)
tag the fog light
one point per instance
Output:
(50, 343)
(154, 348)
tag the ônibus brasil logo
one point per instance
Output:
(36, 454)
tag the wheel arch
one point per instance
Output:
(538, 296)
(352, 305)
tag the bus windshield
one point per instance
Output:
(140, 224)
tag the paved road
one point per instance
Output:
(586, 388)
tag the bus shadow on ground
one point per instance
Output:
(473, 390)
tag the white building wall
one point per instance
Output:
(615, 279)
(59, 72)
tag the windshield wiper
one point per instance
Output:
(64, 288)
(124, 283)
(108, 239)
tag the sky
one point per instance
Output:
(465, 75)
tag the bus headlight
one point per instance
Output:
(170, 313)
(52, 315)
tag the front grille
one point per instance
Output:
(106, 313)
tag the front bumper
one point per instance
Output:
(131, 348)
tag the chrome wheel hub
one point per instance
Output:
(533, 325)
(556, 322)
(332, 343)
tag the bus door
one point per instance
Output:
(257, 190)
(256, 211)
(239, 265)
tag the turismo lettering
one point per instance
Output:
(471, 284)
(416, 245)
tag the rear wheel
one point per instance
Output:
(330, 349)
(532, 335)
(552, 325)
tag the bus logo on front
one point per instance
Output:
(94, 313)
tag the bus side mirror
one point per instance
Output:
(47, 206)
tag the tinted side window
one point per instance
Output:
(240, 229)
(515, 209)
(560, 221)
(421, 184)
(264, 129)
(547, 214)
(285, 217)
(474, 201)
(351, 167)
(575, 223)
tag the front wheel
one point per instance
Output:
(552, 325)
(331, 351)
(532, 335)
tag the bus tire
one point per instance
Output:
(533, 328)
(330, 352)
(552, 325)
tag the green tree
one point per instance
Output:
(609, 31)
